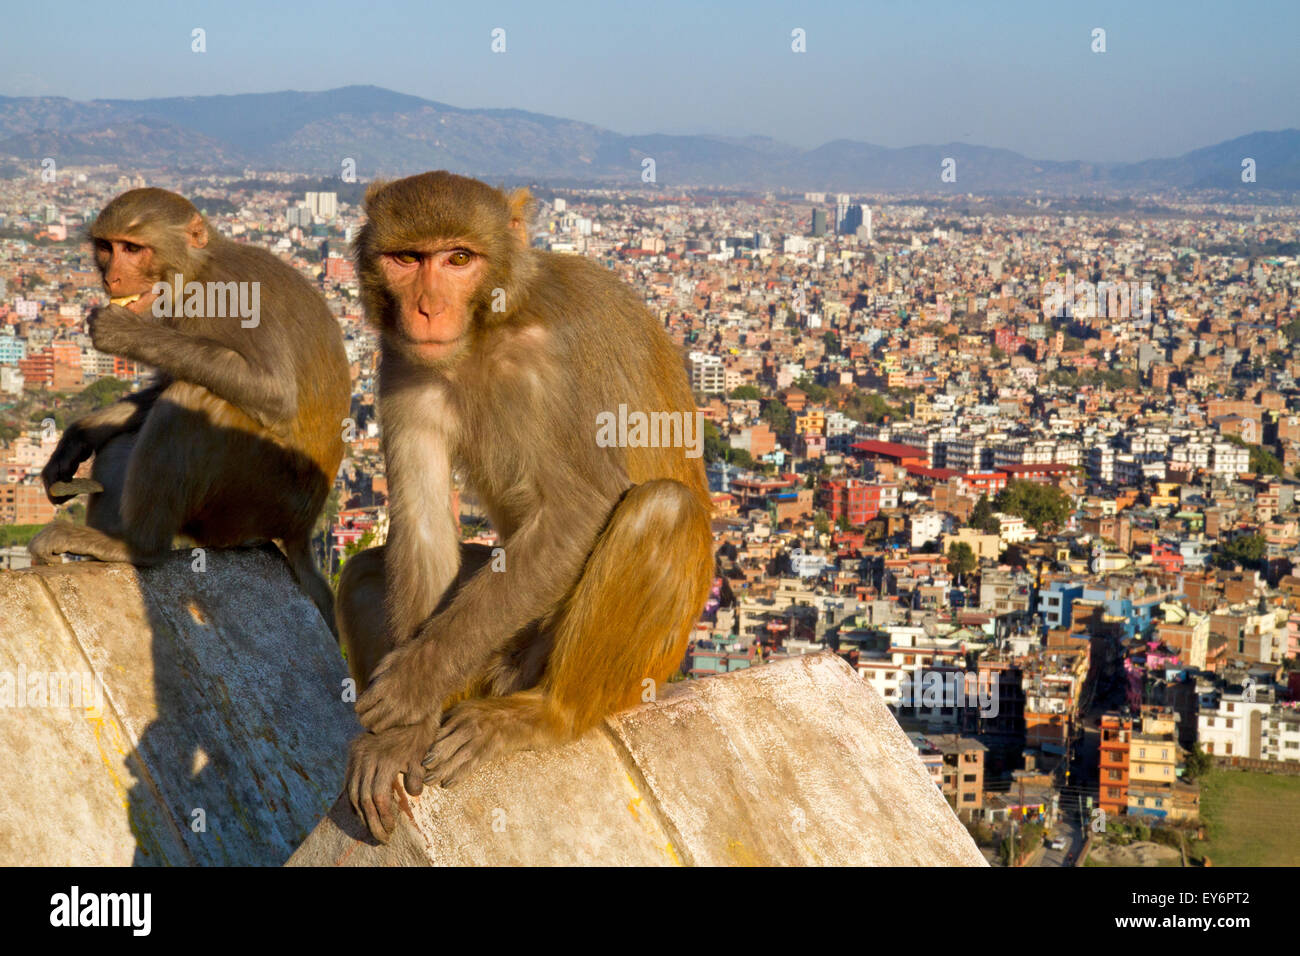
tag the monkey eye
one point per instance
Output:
(131, 247)
(405, 258)
(460, 257)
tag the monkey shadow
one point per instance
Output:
(222, 771)
(234, 768)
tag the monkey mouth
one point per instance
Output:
(126, 299)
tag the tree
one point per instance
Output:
(961, 559)
(821, 523)
(105, 391)
(745, 393)
(777, 415)
(870, 407)
(1042, 506)
(982, 517)
(714, 447)
(815, 392)
(1198, 763)
(740, 458)
(1248, 550)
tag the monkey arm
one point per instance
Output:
(542, 560)
(87, 435)
(127, 415)
(268, 394)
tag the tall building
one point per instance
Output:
(863, 230)
(848, 223)
(322, 205)
(842, 203)
(819, 222)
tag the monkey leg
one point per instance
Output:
(101, 536)
(621, 631)
(104, 509)
(359, 612)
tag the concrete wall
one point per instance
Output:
(222, 692)
(797, 762)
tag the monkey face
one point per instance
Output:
(126, 267)
(434, 287)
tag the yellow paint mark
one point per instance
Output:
(672, 853)
(741, 855)
(632, 805)
(98, 726)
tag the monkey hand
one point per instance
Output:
(116, 329)
(404, 689)
(374, 763)
(72, 450)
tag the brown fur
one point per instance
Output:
(240, 438)
(608, 552)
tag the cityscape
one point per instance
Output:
(1038, 456)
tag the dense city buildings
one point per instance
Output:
(1028, 466)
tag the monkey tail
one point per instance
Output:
(298, 551)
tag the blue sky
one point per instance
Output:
(1175, 76)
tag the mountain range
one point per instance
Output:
(389, 133)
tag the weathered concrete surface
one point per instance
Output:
(797, 762)
(222, 693)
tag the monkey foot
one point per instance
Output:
(478, 730)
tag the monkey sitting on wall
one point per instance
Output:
(239, 438)
(499, 360)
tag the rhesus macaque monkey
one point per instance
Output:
(239, 439)
(497, 360)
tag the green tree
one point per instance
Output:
(777, 415)
(1043, 506)
(870, 407)
(983, 519)
(740, 457)
(1198, 763)
(104, 392)
(816, 393)
(821, 523)
(961, 559)
(1248, 550)
(714, 447)
(745, 393)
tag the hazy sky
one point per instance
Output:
(1175, 75)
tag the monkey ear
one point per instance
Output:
(197, 232)
(521, 213)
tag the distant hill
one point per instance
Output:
(391, 133)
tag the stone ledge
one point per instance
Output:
(222, 692)
(793, 763)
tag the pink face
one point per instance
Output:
(434, 284)
(127, 267)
